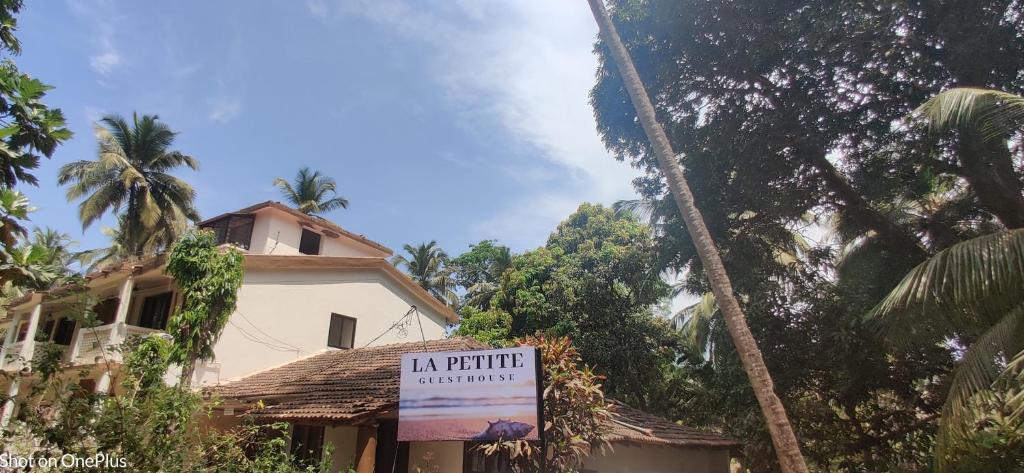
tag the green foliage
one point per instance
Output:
(995, 440)
(575, 412)
(427, 265)
(28, 130)
(132, 172)
(972, 287)
(490, 326)
(209, 278)
(783, 116)
(990, 113)
(479, 270)
(596, 281)
(311, 192)
(152, 427)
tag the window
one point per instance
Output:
(155, 310)
(234, 229)
(65, 330)
(106, 310)
(309, 244)
(307, 443)
(44, 332)
(342, 333)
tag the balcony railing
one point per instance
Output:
(92, 345)
(89, 346)
(97, 345)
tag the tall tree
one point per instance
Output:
(209, 279)
(131, 174)
(30, 130)
(974, 287)
(479, 271)
(311, 192)
(426, 264)
(595, 281)
(783, 437)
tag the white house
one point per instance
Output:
(317, 302)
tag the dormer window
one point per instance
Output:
(309, 244)
(233, 229)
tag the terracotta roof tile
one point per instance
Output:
(340, 385)
(630, 425)
(351, 386)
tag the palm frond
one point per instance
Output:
(991, 113)
(975, 282)
(983, 363)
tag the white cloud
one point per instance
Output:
(529, 65)
(103, 19)
(224, 109)
(106, 62)
(317, 8)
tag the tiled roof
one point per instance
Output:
(345, 386)
(351, 386)
(634, 426)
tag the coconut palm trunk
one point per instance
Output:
(786, 447)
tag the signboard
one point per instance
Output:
(480, 395)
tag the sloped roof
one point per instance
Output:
(353, 386)
(634, 426)
(345, 386)
(308, 219)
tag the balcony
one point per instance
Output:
(96, 345)
(100, 344)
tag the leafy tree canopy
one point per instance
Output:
(596, 282)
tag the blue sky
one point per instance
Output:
(447, 120)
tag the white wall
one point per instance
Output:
(293, 309)
(278, 233)
(628, 459)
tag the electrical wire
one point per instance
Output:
(393, 326)
(282, 342)
(254, 339)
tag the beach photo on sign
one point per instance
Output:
(483, 395)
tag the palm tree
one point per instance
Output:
(311, 192)
(786, 446)
(971, 287)
(984, 120)
(426, 266)
(130, 177)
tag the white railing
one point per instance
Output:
(136, 331)
(97, 345)
(93, 345)
(12, 355)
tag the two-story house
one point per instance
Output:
(313, 341)
(309, 286)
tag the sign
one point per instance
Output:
(481, 395)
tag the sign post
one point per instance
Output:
(477, 396)
(473, 396)
(540, 410)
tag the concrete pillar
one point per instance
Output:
(124, 302)
(8, 409)
(12, 335)
(366, 448)
(28, 348)
(103, 384)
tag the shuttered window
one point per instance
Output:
(309, 243)
(342, 333)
